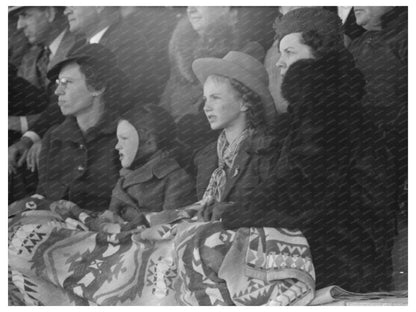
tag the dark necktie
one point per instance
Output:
(42, 66)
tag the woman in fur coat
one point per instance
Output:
(329, 182)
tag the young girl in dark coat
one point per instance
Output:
(150, 179)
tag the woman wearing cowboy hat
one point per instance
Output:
(238, 102)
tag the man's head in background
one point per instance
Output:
(88, 20)
(40, 24)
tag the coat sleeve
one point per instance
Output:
(115, 205)
(24, 98)
(179, 191)
(43, 164)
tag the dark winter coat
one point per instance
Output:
(255, 161)
(80, 168)
(23, 99)
(160, 184)
(382, 58)
(325, 183)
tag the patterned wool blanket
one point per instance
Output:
(61, 262)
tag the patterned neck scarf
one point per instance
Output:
(226, 157)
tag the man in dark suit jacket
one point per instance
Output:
(50, 42)
(46, 30)
(349, 24)
(28, 69)
(104, 25)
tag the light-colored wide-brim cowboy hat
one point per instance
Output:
(243, 68)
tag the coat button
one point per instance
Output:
(81, 168)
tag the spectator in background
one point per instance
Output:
(381, 54)
(23, 99)
(156, 24)
(18, 44)
(104, 25)
(349, 24)
(46, 30)
(256, 23)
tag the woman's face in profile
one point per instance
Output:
(222, 106)
(292, 49)
(127, 143)
(74, 96)
(201, 17)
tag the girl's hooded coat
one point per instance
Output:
(160, 184)
(156, 183)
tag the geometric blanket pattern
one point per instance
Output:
(60, 262)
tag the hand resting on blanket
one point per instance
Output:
(211, 210)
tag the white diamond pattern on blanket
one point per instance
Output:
(160, 276)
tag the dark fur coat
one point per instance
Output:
(330, 179)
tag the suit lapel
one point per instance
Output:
(27, 68)
(106, 39)
(66, 44)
